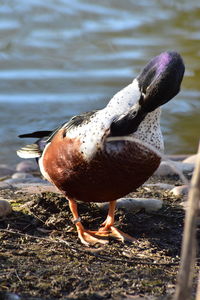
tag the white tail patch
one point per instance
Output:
(29, 151)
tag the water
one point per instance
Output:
(59, 58)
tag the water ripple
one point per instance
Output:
(62, 57)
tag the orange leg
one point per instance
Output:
(108, 228)
(86, 236)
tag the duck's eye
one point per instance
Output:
(141, 101)
(134, 113)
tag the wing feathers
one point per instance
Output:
(36, 134)
(45, 136)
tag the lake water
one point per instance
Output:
(59, 58)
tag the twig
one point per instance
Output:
(198, 288)
(17, 276)
(188, 251)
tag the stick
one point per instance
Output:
(188, 251)
(198, 288)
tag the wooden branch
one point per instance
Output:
(198, 288)
(188, 251)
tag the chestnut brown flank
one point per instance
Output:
(115, 170)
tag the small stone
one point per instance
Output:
(177, 157)
(9, 296)
(185, 167)
(37, 188)
(15, 181)
(191, 159)
(27, 166)
(5, 170)
(5, 208)
(4, 186)
(164, 169)
(22, 175)
(160, 185)
(181, 190)
(136, 204)
(169, 168)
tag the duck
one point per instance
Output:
(102, 155)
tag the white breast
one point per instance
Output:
(149, 130)
(91, 134)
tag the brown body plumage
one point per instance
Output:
(116, 169)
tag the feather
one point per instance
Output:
(36, 134)
(29, 151)
(45, 136)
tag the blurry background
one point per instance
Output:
(59, 58)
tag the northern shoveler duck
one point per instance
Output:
(83, 160)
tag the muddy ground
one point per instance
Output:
(41, 257)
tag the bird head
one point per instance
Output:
(158, 82)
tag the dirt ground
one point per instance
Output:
(41, 257)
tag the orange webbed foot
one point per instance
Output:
(112, 231)
(88, 237)
(108, 229)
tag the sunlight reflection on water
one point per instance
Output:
(62, 57)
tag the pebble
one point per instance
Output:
(169, 168)
(181, 190)
(160, 185)
(5, 170)
(27, 166)
(5, 208)
(22, 175)
(164, 169)
(37, 188)
(10, 296)
(191, 159)
(14, 181)
(4, 185)
(135, 204)
(184, 167)
(177, 157)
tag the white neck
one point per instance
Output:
(124, 99)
